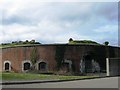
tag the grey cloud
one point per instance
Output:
(107, 10)
(63, 20)
(16, 19)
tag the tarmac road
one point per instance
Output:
(111, 82)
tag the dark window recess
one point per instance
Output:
(88, 63)
(66, 66)
(7, 65)
(26, 66)
(42, 66)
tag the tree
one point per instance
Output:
(106, 43)
(34, 56)
(32, 41)
(70, 40)
(26, 41)
(59, 55)
(20, 42)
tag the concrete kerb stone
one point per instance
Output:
(48, 81)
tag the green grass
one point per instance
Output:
(29, 76)
(0, 76)
(12, 45)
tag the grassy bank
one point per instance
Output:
(0, 75)
(29, 76)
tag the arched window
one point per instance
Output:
(88, 63)
(67, 65)
(42, 66)
(7, 66)
(26, 66)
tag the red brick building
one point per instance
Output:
(18, 58)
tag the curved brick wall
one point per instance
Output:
(47, 53)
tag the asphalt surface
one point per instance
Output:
(111, 82)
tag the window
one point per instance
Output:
(26, 66)
(7, 65)
(88, 63)
(66, 66)
(42, 66)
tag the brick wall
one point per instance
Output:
(47, 53)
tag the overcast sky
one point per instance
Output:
(56, 22)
